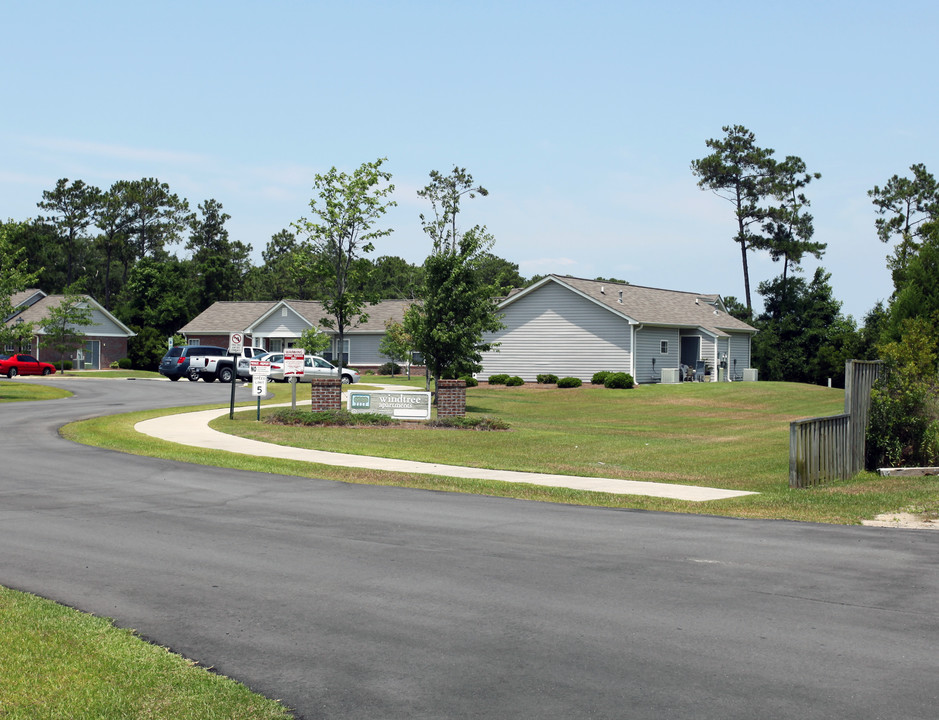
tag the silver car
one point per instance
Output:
(313, 366)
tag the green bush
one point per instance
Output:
(470, 380)
(465, 423)
(288, 416)
(389, 368)
(904, 418)
(569, 382)
(514, 381)
(500, 379)
(599, 378)
(124, 364)
(619, 380)
(58, 365)
(547, 379)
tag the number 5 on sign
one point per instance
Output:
(259, 385)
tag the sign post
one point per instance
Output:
(258, 388)
(236, 343)
(260, 370)
(293, 369)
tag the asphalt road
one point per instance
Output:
(350, 601)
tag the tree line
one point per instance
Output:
(122, 246)
(803, 335)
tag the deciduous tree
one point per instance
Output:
(346, 209)
(397, 344)
(456, 307)
(444, 193)
(62, 326)
(14, 277)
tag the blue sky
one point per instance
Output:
(581, 119)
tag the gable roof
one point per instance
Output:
(649, 306)
(234, 316)
(26, 297)
(39, 310)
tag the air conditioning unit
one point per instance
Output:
(670, 376)
(751, 375)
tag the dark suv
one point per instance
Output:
(176, 362)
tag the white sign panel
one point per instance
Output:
(259, 367)
(259, 385)
(236, 343)
(293, 362)
(400, 405)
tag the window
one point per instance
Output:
(663, 348)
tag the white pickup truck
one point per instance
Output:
(211, 368)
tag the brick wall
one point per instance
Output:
(325, 394)
(451, 398)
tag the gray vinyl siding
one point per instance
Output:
(649, 347)
(709, 349)
(363, 350)
(553, 330)
(103, 326)
(276, 325)
(739, 351)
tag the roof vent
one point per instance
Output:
(620, 297)
(696, 301)
(602, 290)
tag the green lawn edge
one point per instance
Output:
(846, 502)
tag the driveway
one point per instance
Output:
(353, 601)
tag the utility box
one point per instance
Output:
(751, 375)
(670, 376)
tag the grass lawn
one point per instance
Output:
(25, 389)
(732, 436)
(59, 663)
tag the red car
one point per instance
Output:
(13, 365)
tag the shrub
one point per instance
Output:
(599, 378)
(124, 364)
(470, 381)
(58, 365)
(114, 365)
(389, 368)
(547, 379)
(514, 381)
(500, 379)
(465, 423)
(904, 416)
(569, 382)
(619, 380)
(288, 416)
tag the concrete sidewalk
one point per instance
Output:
(193, 429)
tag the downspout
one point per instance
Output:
(635, 329)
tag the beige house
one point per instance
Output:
(278, 325)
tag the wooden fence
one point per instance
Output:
(832, 448)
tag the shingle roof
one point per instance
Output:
(38, 311)
(20, 297)
(224, 317)
(655, 306)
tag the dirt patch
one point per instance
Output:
(906, 520)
